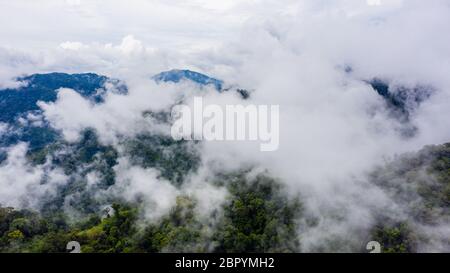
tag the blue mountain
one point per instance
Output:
(177, 75)
(42, 87)
(15, 103)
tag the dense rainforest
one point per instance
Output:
(257, 215)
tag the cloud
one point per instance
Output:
(26, 186)
(136, 184)
(119, 116)
(334, 127)
(3, 128)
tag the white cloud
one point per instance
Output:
(143, 185)
(3, 128)
(72, 45)
(25, 186)
(119, 116)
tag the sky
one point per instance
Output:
(209, 36)
(166, 24)
(170, 24)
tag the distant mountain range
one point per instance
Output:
(42, 87)
(17, 103)
(177, 75)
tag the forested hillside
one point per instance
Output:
(146, 192)
(257, 215)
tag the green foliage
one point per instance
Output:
(175, 159)
(19, 229)
(180, 231)
(77, 160)
(420, 183)
(113, 234)
(50, 242)
(396, 238)
(15, 235)
(258, 218)
(23, 231)
(86, 151)
(440, 168)
(423, 176)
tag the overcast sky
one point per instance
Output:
(177, 24)
(206, 35)
(169, 23)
